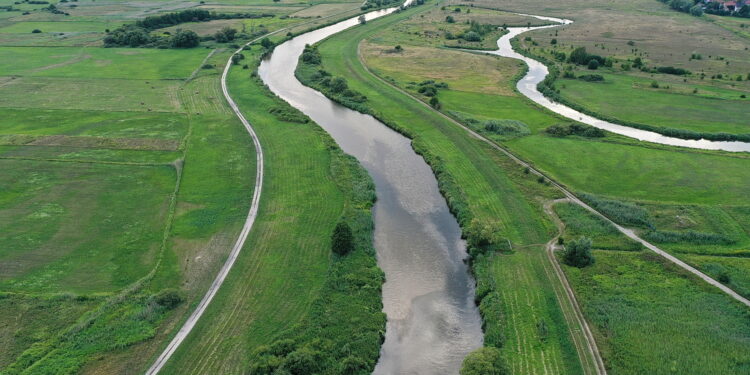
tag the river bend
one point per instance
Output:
(538, 71)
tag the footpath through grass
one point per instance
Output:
(493, 191)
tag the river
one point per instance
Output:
(538, 71)
(428, 295)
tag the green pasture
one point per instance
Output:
(630, 98)
(128, 63)
(59, 27)
(80, 227)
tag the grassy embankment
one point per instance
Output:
(288, 299)
(636, 302)
(516, 292)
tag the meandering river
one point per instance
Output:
(428, 295)
(538, 71)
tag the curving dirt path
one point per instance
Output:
(252, 214)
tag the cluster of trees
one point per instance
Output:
(485, 361)
(696, 8)
(430, 87)
(578, 253)
(474, 33)
(139, 33)
(134, 36)
(192, 15)
(581, 130)
(672, 70)
(579, 56)
(369, 4)
(335, 88)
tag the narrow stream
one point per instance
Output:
(538, 71)
(428, 296)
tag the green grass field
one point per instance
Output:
(651, 318)
(673, 104)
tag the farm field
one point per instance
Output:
(126, 179)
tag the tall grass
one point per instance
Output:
(620, 212)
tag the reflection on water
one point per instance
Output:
(537, 71)
(429, 293)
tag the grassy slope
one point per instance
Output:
(492, 198)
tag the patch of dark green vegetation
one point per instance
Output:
(289, 114)
(620, 212)
(503, 127)
(312, 74)
(375, 4)
(116, 324)
(591, 77)
(577, 253)
(485, 361)
(691, 237)
(342, 332)
(138, 34)
(580, 222)
(581, 130)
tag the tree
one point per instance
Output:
(185, 39)
(434, 102)
(578, 253)
(593, 64)
(450, 19)
(342, 240)
(36, 31)
(579, 56)
(472, 36)
(484, 361)
(266, 43)
(696, 11)
(362, 20)
(339, 84)
(224, 35)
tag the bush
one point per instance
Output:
(591, 77)
(484, 361)
(581, 130)
(450, 19)
(342, 240)
(619, 212)
(168, 298)
(36, 31)
(578, 253)
(472, 36)
(593, 64)
(226, 34)
(672, 70)
(185, 39)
